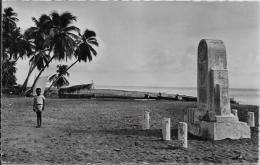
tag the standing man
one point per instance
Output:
(38, 106)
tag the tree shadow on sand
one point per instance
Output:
(137, 132)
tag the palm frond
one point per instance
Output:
(40, 59)
(9, 11)
(89, 33)
(53, 77)
(44, 19)
(92, 50)
(66, 19)
(62, 70)
(74, 36)
(71, 28)
(94, 42)
(47, 42)
(30, 32)
(82, 52)
(36, 22)
(10, 14)
(62, 81)
(55, 18)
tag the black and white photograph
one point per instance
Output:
(130, 82)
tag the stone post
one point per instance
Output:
(183, 134)
(234, 112)
(166, 128)
(146, 120)
(251, 119)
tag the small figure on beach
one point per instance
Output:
(178, 97)
(159, 95)
(147, 96)
(38, 106)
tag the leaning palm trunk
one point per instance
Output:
(38, 76)
(24, 86)
(61, 75)
(31, 69)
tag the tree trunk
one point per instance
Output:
(31, 69)
(38, 76)
(61, 75)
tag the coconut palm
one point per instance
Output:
(59, 79)
(40, 31)
(38, 34)
(37, 61)
(9, 25)
(8, 73)
(18, 46)
(8, 66)
(61, 39)
(15, 46)
(9, 19)
(84, 51)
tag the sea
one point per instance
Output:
(242, 96)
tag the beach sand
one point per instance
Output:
(108, 131)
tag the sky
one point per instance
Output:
(155, 43)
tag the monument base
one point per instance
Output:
(219, 131)
(223, 127)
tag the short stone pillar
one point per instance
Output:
(183, 134)
(146, 120)
(251, 119)
(234, 112)
(166, 128)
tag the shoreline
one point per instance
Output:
(246, 96)
(169, 87)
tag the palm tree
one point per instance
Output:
(18, 46)
(61, 39)
(9, 19)
(40, 31)
(60, 77)
(37, 61)
(84, 50)
(15, 46)
(38, 34)
(9, 25)
(8, 73)
(7, 66)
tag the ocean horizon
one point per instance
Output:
(241, 95)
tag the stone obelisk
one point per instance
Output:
(213, 118)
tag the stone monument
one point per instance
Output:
(212, 119)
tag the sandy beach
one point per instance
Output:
(102, 65)
(109, 131)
